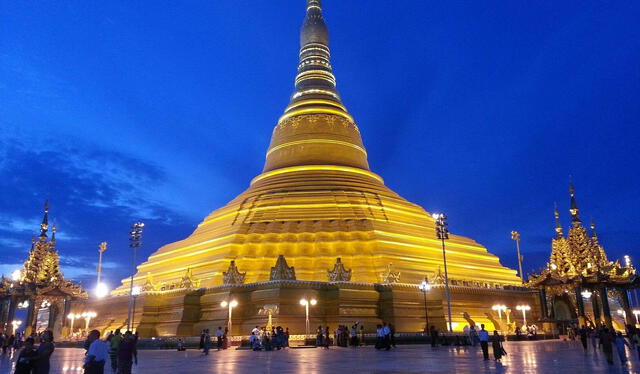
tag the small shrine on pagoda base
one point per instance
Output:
(39, 287)
(579, 283)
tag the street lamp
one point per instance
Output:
(101, 290)
(425, 287)
(586, 294)
(443, 234)
(23, 304)
(306, 304)
(232, 304)
(499, 308)
(622, 313)
(135, 239)
(15, 324)
(72, 317)
(515, 236)
(16, 275)
(101, 248)
(87, 318)
(137, 290)
(524, 309)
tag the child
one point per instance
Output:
(26, 359)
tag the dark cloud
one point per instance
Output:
(94, 195)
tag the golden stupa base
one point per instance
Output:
(185, 312)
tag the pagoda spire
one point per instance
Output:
(594, 235)
(557, 217)
(575, 217)
(315, 84)
(44, 226)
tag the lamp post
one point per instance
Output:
(135, 239)
(443, 234)
(499, 308)
(231, 304)
(15, 324)
(425, 287)
(586, 294)
(515, 236)
(16, 275)
(72, 317)
(135, 292)
(524, 309)
(100, 287)
(306, 304)
(87, 319)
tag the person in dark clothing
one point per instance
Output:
(584, 334)
(44, 352)
(392, 335)
(434, 336)
(26, 360)
(126, 350)
(606, 340)
(201, 345)
(496, 343)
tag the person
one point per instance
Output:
(636, 341)
(44, 352)
(434, 336)
(219, 334)
(255, 341)
(225, 338)
(327, 339)
(496, 343)
(392, 335)
(606, 340)
(181, 347)
(620, 343)
(387, 336)
(583, 337)
(207, 342)
(136, 338)
(125, 353)
(113, 350)
(201, 345)
(286, 337)
(354, 336)
(97, 353)
(483, 335)
(26, 359)
(319, 337)
(362, 336)
(473, 336)
(3, 339)
(593, 336)
(379, 336)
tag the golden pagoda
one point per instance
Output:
(319, 222)
(39, 287)
(579, 273)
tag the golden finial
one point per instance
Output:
(45, 221)
(574, 205)
(557, 216)
(102, 247)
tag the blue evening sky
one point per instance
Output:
(162, 111)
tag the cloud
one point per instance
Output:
(94, 195)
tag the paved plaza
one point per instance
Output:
(524, 357)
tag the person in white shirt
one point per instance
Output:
(219, 334)
(483, 335)
(379, 337)
(97, 354)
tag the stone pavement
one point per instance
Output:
(524, 357)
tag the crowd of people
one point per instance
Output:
(120, 350)
(605, 339)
